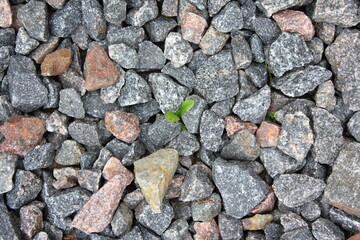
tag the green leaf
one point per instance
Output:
(185, 107)
(171, 117)
(183, 127)
(272, 115)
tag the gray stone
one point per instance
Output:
(294, 190)
(328, 136)
(115, 11)
(53, 232)
(41, 156)
(299, 82)
(41, 236)
(69, 153)
(206, 209)
(276, 162)
(161, 131)
(199, 57)
(135, 233)
(223, 108)
(183, 74)
(192, 118)
(354, 126)
(88, 158)
(9, 226)
(211, 130)
(27, 92)
(241, 189)
(298, 234)
(257, 49)
(178, 230)
(289, 51)
(53, 88)
(213, 41)
(247, 87)
(64, 21)
(157, 222)
(159, 28)
(326, 230)
(311, 211)
(124, 55)
(291, 221)
(229, 18)
(89, 179)
(26, 188)
(325, 96)
(80, 37)
(95, 106)
(5, 54)
(254, 108)
(346, 221)
(6, 110)
(7, 170)
(325, 31)
(266, 29)
(214, 6)
(255, 235)
(342, 111)
(182, 210)
(167, 93)
(102, 159)
(258, 74)
(122, 220)
(296, 136)
(140, 15)
(24, 43)
(316, 45)
(150, 56)
(270, 7)
(111, 93)
(217, 78)
(145, 139)
(273, 231)
(177, 49)
(130, 35)
(230, 228)
(185, 143)
(73, 79)
(7, 37)
(197, 184)
(170, 8)
(132, 199)
(85, 132)
(70, 103)
(241, 51)
(145, 110)
(243, 146)
(93, 19)
(314, 169)
(299, 105)
(34, 17)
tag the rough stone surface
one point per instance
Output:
(206, 230)
(86, 133)
(325, 229)
(6, 14)
(178, 230)
(129, 35)
(294, 190)
(292, 221)
(241, 190)
(257, 222)
(89, 179)
(7, 170)
(230, 228)
(115, 11)
(266, 205)
(258, 74)
(325, 31)
(150, 56)
(229, 18)
(93, 19)
(206, 209)
(213, 41)
(56, 63)
(325, 96)
(40, 157)
(214, 6)
(123, 125)
(122, 220)
(159, 28)
(270, 7)
(31, 220)
(24, 43)
(9, 225)
(185, 143)
(234, 125)
(211, 130)
(162, 132)
(299, 105)
(193, 27)
(354, 126)
(183, 75)
(44, 49)
(268, 134)
(146, 12)
(266, 29)
(177, 50)
(241, 52)
(124, 55)
(346, 221)
(311, 211)
(70, 103)
(69, 153)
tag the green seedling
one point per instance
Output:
(269, 74)
(271, 117)
(185, 106)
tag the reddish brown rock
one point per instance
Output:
(193, 27)
(265, 205)
(206, 231)
(22, 134)
(56, 63)
(174, 189)
(112, 168)
(234, 125)
(65, 177)
(268, 134)
(56, 3)
(124, 126)
(100, 71)
(295, 22)
(5, 14)
(355, 237)
(44, 49)
(97, 213)
(31, 220)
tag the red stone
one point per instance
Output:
(266, 205)
(5, 14)
(295, 22)
(97, 213)
(234, 125)
(31, 220)
(112, 168)
(174, 189)
(268, 134)
(193, 27)
(207, 231)
(355, 237)
(56, 63)
(100, 71)
(124, 126)
(22, 134)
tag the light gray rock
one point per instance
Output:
(354, 126)
(270, 7)
(241, 51)
(124, 55)
(325, 96)
(211, 130)
(7, 170)
(138, 16)
(229, 18)
(326, 230)
(24, 43)
(177, 50)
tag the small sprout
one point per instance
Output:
(269, 74)
(185, 106)
(271, 117)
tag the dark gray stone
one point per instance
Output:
(346, 221)
(27, 92)
(41, 156)
(270, 7)
(24, 43)
(9, 226)
(34, 17)
(254, 108)
(294, 190)
(257, 49)
(206, 209)
(200, 4)
(102, 159)
(288, 52)
(211, 130)
(214, 6)
(89, 179)
(69, 153)
(181, 210)
(93, 19)
(145, 139)
(292, 221)
(296, 136)
(230, 228)
(328, 136)
(26, 188)
(73, 79)
(183, 74)
(145, 110)
(64, 21)
(124, 55)
(223, 108)
(122, 220)
(197, 184)
(317, 48)
(5, 55)
(95, 106)
(7, 37)
(157, 222)
(70, 103)
(161, 131)
(115, 11)
(299, 105)
(80, 37)
(273, 231)
(217, 78)
(229, 18)
(311, 211)
(7, 169)
(177, 49)
(247, 87)
(53, 88)
(130, 35)
(213, 41)
(327, 230)
(85, 132)
(88, 158)
(6, 110)
(159, 28)
(266, 29)
(258, 74)
(178, 230)
(199, 57)
(185, 143)
(314, 169)
(135, 233)
(53, 232)
(241, 51)
(255, 235)
(140, 15)
(241, 189)
(354, 126)
(298, 234)
(150, 56)
(300, 82)
(192, 118)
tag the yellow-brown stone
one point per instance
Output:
(257, 222)
(56, 63)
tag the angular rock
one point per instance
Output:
(300, 82)
(206, 209)
(270, 7)
(346, 221)
(268, 134)
(178, 230)
(97, 213)
(299, 105)
(185, 143)
(214, 6)
(122, 220)
(111, 93)
(133, 198)
(24, 43)
(325, 31)
(26, 188)
(206, 230)
(266, 205)
(56, 122)
(325, 229)
(266, 29)
(213, 41)
(150, 56)
(124, 55)
(93, 19)
(211, 130)
(9, 224)
(257, 222)
(294, 190)
(241, 51)
(229, 18)
(273, 231)
(6, 14)
(311, 211)
(31, 220)
(174, 189)
(258, 74)
(354, 126)
(235, 125)
(123, 125)
(56, 63)
(146, 12)
(80, 37)
(254, 108)
(115, 11)
(130, 35)
(72, 79)
(40, 157)
(89, 179)
(169, 8)
(34, 17)
(5, 55)
(289, 51)
(7, 170)
(241, 190)
(95, 106)
(292, 221)
(257, 48)
(53, 88)
(316, 45)
(325, 96)
(230, 228)
(296, 136)
(86, 133)
(44, 49)
(69, 153)
(154, 174)
(112, 168)
(70, 103)
(177, 50)
(193, 27)
(159, 28)
(300, 233)
(21, 134)
(7, 37)
(183, 74)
